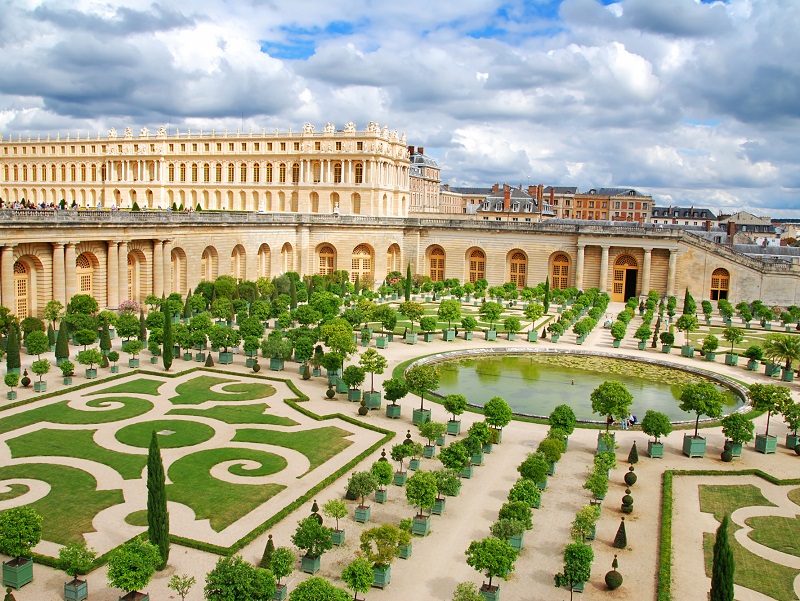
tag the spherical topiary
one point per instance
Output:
(627, 502)
(613, 580)
(630, 477)
(330, 393)
(256, 367)
(363, 410)
(726, 456)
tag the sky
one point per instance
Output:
(696, 102)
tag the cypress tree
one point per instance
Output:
(105, 339)
(51, 335)
(187, 312)
(408, 283)
(546, 301)
(166, 344)
(722, 568)
(209, 360)
(62, 342)
(12, 350)
(157, 514)
(621, 539)
(266, 558)
(357, 285)
(633, 456)
(292, 294)
(142, 329)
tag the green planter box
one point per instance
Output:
(551, 471)
(309, 565)
(250, 362)
(687, 351)
(372, 400)
(694, 447)
(91, 374)
(731, 359)
(405, 551)
(454, 427)
(341, 387)
(316, 372)
(421, 525)
(616, 343)
(666, 349)
(400, 478)
(467, 472)
(448, 335)
(711, 356)
(490, 593)
(491, 334)
(393, 410)
(542, 484)
(439, 506)
(533, 336)
(381, 576)
(428, 336)
(362, 514)
(67, 382)
(337, 537)
(17, 576)
(766, 444)
(76, 590)
(135, 596)
(469, 335)
(420, 416)
(512, 335)
(225, 358)
(771, 369)
(411, 338)
(477, 458)
(735, 447)
(154, 359)
(281, 592)
(655, 449)
(440, 441)
(554, 338)
(429, 451)
(580, 339)
(276, 364)
(381, 342)
(200, 357)
(752, 365)
(12, 394)
(593, 534)
(487, 448)
(787, 375)
(601, 445)
(354, 395)
(641, 345)
(381, 496)
(517, 541)
(792, 441)
(40, 386)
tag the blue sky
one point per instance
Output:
(692, 101)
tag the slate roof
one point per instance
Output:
(561, 189)
(683, 213)
(615, 192)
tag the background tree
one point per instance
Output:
(497, 413)
(490, 311)
(132, 565)
(769, 398)
(722, 566)
(421, 379)
(234, 578)
(181, 584)
(577, 566)
(358, 576)
(318, 589)
(157, 514)
(611, 398)
(455, 404)
(491, 556)
(372, 362)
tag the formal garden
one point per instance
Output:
(252, 398)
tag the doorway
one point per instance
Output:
(625, 278)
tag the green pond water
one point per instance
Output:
(534, 384)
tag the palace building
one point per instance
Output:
(314, 202)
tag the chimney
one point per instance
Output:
(411, 150)
(531, 191)
(540, 193)
(552, 194)
(495, 188)
(731, 232)
(420, 150)
(708, 225)
(506, 199)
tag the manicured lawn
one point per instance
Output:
(73, 501)
(60, 413)
(135, 386)
(182, 433)
(220, 502)
(319, 444)
(198, 390)
(78, 444)
(725, 499)
(794, 496)
(14, 491)
(775, 532)
(238, 414)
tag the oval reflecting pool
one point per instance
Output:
(534, 383)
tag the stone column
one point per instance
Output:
(604, 269)
(158, 268)
(123, 271)
(579, 267)
(648, 252)
(113, 275)
(167, 267)
(69, 271)
(59, 290)
(673, 263)
(7, 270)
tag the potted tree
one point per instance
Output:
(738, 431)
(454, 404)
(667, 340)
(281, 564)
(314, 539)
(597, 483)
(791, 415)
(552, 449)
(399, 453)
(67, 368)
(383, 473)
(380, 546)
(497, 414)
(11, 380)
(133, 348)
(786, 348)
(431, 431)
(76, 559)
(336, 509)
(702, 398)
(642, 334)
(534, 312)
(456, 457)
(421, 492)
(421, 379)
(584, 526)
(687, 324)
(113, 357)
(518, 511)
(20, 531)
(527, 491)
(357, 575)
(449, 311)
(618, 330)
(332, 362)
(131, 566)
(40, 368)
(710, 346)
(734, 336)
(480, 432)
(372, 362)
(656, 424)
(413, 312)
(510, 530)
(428, 325)
(492, 557)
(613, 400)
(89, 357)
(512, 325)
(772, 399)
(754, 355)
(235, 578)
(448, 484)
(469, 324)
(361, 485)
(224, 337)
(394, 390)
(535, 468)
(578, 560)
(490, 311)
(354, 377)
(563, 418)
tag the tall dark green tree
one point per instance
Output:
(51, 335)
(166, 341)
(408, 283)
(142, 329)
(105, 339)
(546, 300)
(621, 538)
(722, 568)
(689, 304)
(187, 310)
(12, 350)
(292, 294)
(62, 342)
(157, 514)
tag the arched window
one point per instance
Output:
(256, 172)
(206, 172)
(72, 173)
(337, 173)
(359, 176)
(264, 260)
(194, 172)
(53, 172)
(84, 274)
(239, 263)
(208, 264)
(183, 172)
(287, 257)
(44, 173)
(171, 170)
(519, 268)
(24, 173)
(63, 173)
(356, 204)
(361, 264)
(720, 284)
(83, 173)
(393, 258)
(230, 172)
(327, 260)
(317, 172)
(560, 273)
(269, 173)
(437, 264)
(94, 173)
(314, 202)
(477, 265)
(243, 172)
(296, 173)
(21, 288)
(218, 172)
(282, 174)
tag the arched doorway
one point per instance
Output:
(477, 265)
(437, 259)
(720, 283)
(287, 257)
(393, 258)
(560, 272)
(518, 268)
(22, 286)
(626, 270)
(361, 265)
(264, 260)
(84, 273)
(239, 263)
(327, 260)
(208, 264)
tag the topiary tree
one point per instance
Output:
(362, 484)
(534, 467)
(455, 404)
(358, 576)
(613, 578)
(633, 454)
(157, 514)
(703, 398)
(621, 538)
(312, 537)
(722, 565)
(518, 511)
(526, 491)
(506, 528)
(497, 413)
(89, 357)
(449, 311)
(132, 565)
(76, 559)
(12, 350)
(656, 424)
(421, 490)
(382, 472)
(20, 531)
(611, 398)
(563, 418)
(422, 379)
(492, 557)
(266, 557)
(234, 578)
(770, 398)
